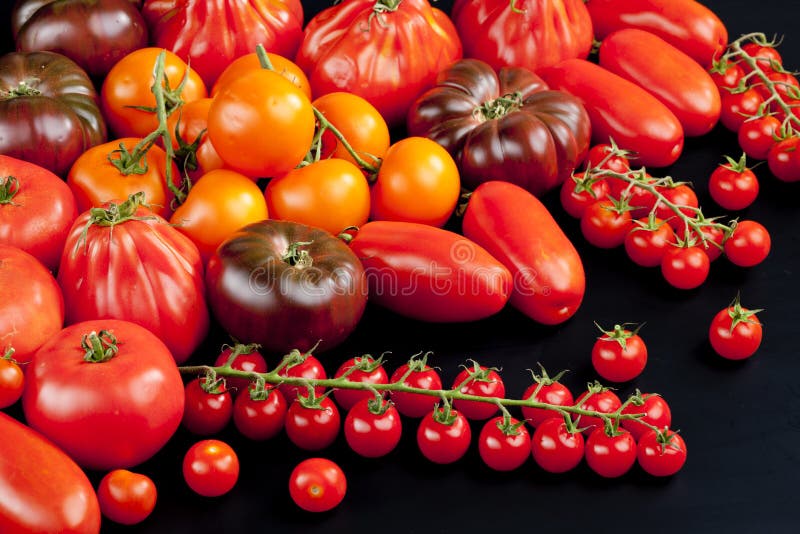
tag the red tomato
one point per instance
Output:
(597, 399)
(682, 196)
(661, 454)
(757, 135)
(784, 159)
(555, 449)
(211, 468)
(260, 419)
(372, 428)
(241, 358)
(371, 373)
(733, 186)
(604, 225)
(726, 75)
(737, 107)
(714, 239)
(504, 444)
(311, 368)
(735, 332)
(610, 456)
(619, 355)
(748, 245)
(443, 436)
(207, 408)
(546, 390)
(25, 326)
(12, 381)
(577, 193)
(125, 497)
(767, 57)
(480, 381)
(648, 241)
(107, 392)
(312, 427)
(610, 157)
(420, 376)
(685, 267)
(317, 485)
(656, 412)
(44, 490)
(36, 210)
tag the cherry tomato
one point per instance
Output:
(610, 157)
(619, 355)
(757, 135)
(245, 358)
(311, 368)
(248, 62)
(733, 186)
(786, 85)
(648, 241)
(682, 196)
(482, 382)
(610, 456)
(206, 411)
(372, 427)
(578, 194)
(211, 468)
(685, 267)
(555, 449)
(373, 373)
(714, 239)
(190, 122)
(260, 418)
(415, 404)
(748, 245)
(597, 399)
(12, 382)
(549, 391)
(443, 436)
(784, 159)
(767, 57)
(504, 444)
(311, 427)
(604, 226)
(737, 107)
(317, 485)
(735, 332)
(126, 497)
(656, 412)
(640, 199)
(726, 76)
(661, 454)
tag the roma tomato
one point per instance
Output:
(420, 376)
(207, 408)
(367, 370)
(555, 448)
(757, 135)
(737, 107)
(124, 262)
(504, 443)
(621, 110)
(248, 62)
(784, 159)
(733, 185)
(482, 382)
(384, 64)
(44, 490)
(33, 306)
(675, 79)
(516, 228)
(216, 207)
(241, 358)
(578, 193)
(107, 392)
(748, 245)
(599, 399)
(259, 416)
(331, 194)
(551, 391)
(530, 33)
(128, 86)
(317, 485)
(735, 332)
(685, 267)
(430, 274)
(36, 210)
(286, 286)
(308, 367)
(619, 355)
(12, 380)
(443, 436)
(604, 225)
(648, 241)
(610, 456)
(656, 412)
(126, 497)
(661, 454)
(211, 468)
(358, 121)
(372, 427)
(312, 426)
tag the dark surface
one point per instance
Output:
(740, 420)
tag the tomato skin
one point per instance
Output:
(347, 398)
(737, 107)
(125, 497)
(317, 485)
(739, 342)
(646, 246)
(784, 159)
(442, 443)
(554, 448)
(313, 429)
(211, 468)
(756, 135)
(24, 326)
(575, 203)
(436, 275)
(247, 359)
(501, 451)
(516, 228)
(605, 401)
(12, 382)
(38, 216)
(415, 404)
(310, 368)
(732, 189)
(206, 413)
(490, 386)
(244, 64)
(767, 57)
(685, 267)
(372, 435)
(44, 490)
(260, 419)
(610, 456)
(603, 226)
(553, 393)
(657, 413)
(657, 461)
(360, 124)
(617, 364)
(675, 79)
(687, 25)
(110, 414)
(384, 65)
(748, 245)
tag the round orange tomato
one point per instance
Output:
(331, 194)
(261, 124)
(192, 121)
(220, 203)
(129, 83)
(94, 180)
(358, 121)
(244, 64)
(418, 182)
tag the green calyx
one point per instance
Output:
(23, 88)
(620, 333)
(9, 186)
(99, 347)
(500, 106)
(738, 314)
(296, 257)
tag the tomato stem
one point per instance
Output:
(99, 347)
(9, 186)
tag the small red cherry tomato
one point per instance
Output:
(245, 358)
(421, 376)
(443, 436)
(126, 497)
(372, 427)
(317, 485)
(685, 267)
(648, 241)
(504, 443)
(784, 159)
(310, 368)
(483, 382)
(733, 185)
(367, 370)
(260, 418)
(12, 381)
(735, 332)
(551, 391)
(578, 193)
(661, 454)
(757, 135)
(656, 412)
(211, 468)
(619, 355)
(207, 407)
(748, 245)
(599, 399)
(555, 448)
(610, 456)
(604, 226)
(312, 426)
(682, 196)
(737, 107)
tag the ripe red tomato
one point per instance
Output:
(661, 454)
(737, 107)
(211, 468)
(682, 196)
(480, 381)
(504, 443)
(12, 381)
(372, 427)
(421, 376)
(555, 449)
(733, 185)
(757, 135)
(260, 418)
(685, 267)
(608, 156)
(126, 497)
(784, 159)
(648, 241)
(546, 390)
(310, 368)
(597, 399)
(767, 57)
(242, 358)
(714, 238)
(443, 436)
(312, 427)
(619, 355)
(577, 194)
(748, 245)
(604, 226)
(373, 373)
(207, 408)
(656, 412)
(610, 456)
(317, 485)
(735, 332)
(726, 75)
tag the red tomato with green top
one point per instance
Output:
(610, 456)
(443, 436)
(661, 454)
(656, 412)
(504, 445)
(416, 404)
(372, 427)
(312, 426)
(367, 370)
(482, 382)
(555, 448)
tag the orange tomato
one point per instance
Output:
(244, 64)
(418, 182)
(129, 83)
(94, 180)
(358, 121)
(192, 121)
(220, 203)
(331, 194)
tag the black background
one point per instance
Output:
(740, 420)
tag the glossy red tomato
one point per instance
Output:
(367, 370)
(12, 381)
(577, 193)
(733, 185)
(106, 391)
(661, 454)
(420, 376)
(737, 107)
(610, 157)
(757, 135)
(648, 241)
(714, 237)
(260, 418)
(610, 456)
(211, 468)
(682, 196)
(312, 427)
(604, 225)
(546, 390)
(311, 368)
(619, 355)
(504, 444)
(372, 427)
(126, 497)
(555, 449)
(685, 267)
(748, 245)
(784, 159)
(767, 57)
(241, 358)
(735, 332)
(656, 412)
(207, 408)
(726, 75)
(597, 399)
(317, 485)
(443, 436)
(482, 382)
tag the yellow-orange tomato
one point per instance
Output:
(95, 180)
(129, 83)
(220, 203)
(331, 194)
(359, 122)
(261, 124)
(418, 182)
(244, 64)
(192, 120)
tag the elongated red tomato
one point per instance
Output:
(621, 110)
(516, 228)
(41, 488)
(430, 274)
(673, 77)
(686, 24)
